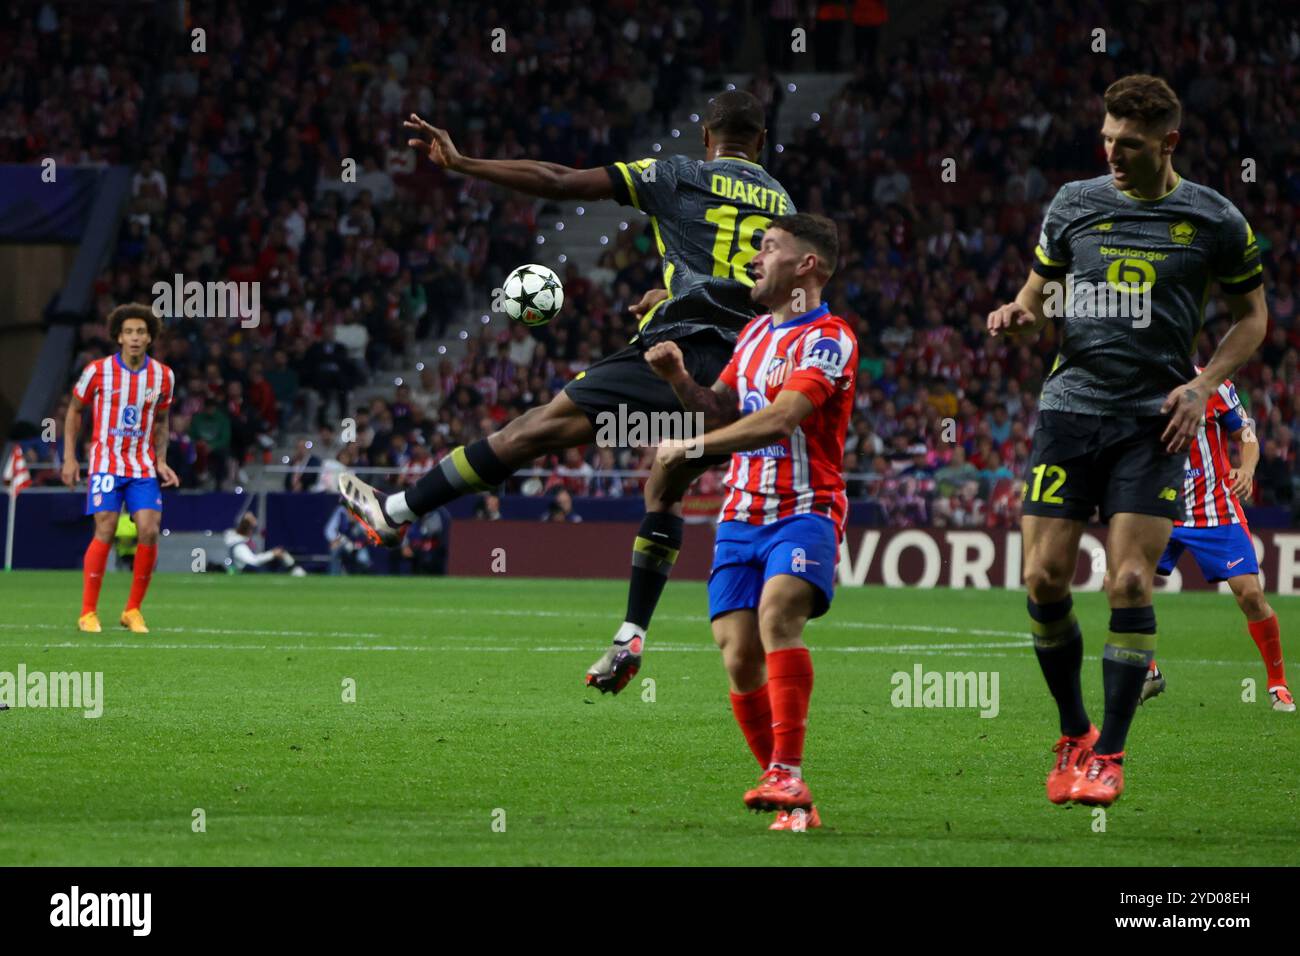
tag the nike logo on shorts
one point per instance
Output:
(1233, 564)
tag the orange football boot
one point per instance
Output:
(779, 790)
(797, 820)
(1101, 782)
(1068, 767)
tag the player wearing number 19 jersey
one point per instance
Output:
(1126, 261)
(707, 217)
(129, 394)
(1213, 528)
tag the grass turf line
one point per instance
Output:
(470, 700)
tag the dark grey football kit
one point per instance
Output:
(708, 220)
(1098, 441)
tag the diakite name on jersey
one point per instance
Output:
(751, 194)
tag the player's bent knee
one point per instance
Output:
(1131, 585)
(1252, 601)
(1047, 582)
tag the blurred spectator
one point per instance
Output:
(347, 544)
(242, 556)
(561, 507)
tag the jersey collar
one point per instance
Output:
(117, 357)
(816, 313)
(1136, 198)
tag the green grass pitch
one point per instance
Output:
(470, 711)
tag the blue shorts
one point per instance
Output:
(745, 556)
(1221, 553)
(107, 492)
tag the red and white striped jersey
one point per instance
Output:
(125, 405)
(816, 354)
(1207, 493)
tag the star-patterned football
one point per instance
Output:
(533, 295)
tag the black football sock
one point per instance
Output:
(468, 470)
(1058, 644)
(1129, 652)
(654, 553)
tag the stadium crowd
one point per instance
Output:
(239, 152)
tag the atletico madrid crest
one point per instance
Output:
(776, 372)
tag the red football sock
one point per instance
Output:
(1268, 638)
(754, 714)
(92, 574)
(790, 683)
(146, 556)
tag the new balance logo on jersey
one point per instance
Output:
(1167, 494)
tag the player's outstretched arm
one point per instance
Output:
(767, 426)
(1026, 315)
(719, 404)
(1185, 405)
(547, 180)
(71, 472)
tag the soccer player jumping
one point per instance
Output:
(1213, 528)
(708, 219)
(787, 394)
(1121, 403)
(131, 394)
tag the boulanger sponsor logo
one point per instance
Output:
(1125, 295)
(1128, 252)
(631, 428)
(947, 689)
(77, 690)
(75, 909)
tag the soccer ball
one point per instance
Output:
(533, 295)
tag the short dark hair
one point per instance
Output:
(736, 113)
(133, 310)
(819, 232)
(1145, 98)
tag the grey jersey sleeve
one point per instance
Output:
(645, 184)
(1052, 254)
(1236, 262)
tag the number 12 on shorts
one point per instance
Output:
(1056, 475)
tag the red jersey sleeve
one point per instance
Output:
(826, 359)
(168, 388)
(86, 387)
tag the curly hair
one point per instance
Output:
(133, 310)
